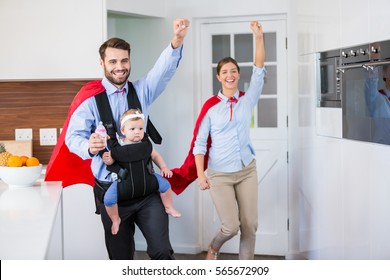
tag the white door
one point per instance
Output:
(269, 129)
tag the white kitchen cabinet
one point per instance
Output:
(31, 222)
(82, 227)
(354, 22)
(149, 8)
(379, 20)
(48, 40)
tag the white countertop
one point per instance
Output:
(27, 217)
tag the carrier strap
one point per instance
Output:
(133, 102)
(107, 118)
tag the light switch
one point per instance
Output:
(48, 136)
(23, 134)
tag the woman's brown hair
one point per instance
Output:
(226, 60)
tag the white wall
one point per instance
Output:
(342, 185)
(44, 39)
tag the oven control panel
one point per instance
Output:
(355, 54)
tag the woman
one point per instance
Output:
(231, 176)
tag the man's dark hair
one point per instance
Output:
(115, 43)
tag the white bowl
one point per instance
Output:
(24, 176)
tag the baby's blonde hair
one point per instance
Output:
(130, 112)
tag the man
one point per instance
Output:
(146, 212)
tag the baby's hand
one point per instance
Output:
(107, 159)
(165, 172)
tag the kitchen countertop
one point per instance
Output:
(27, 219)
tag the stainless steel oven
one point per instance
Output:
(329, 85)
(365, 92)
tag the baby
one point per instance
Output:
(132, 127)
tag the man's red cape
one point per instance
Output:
(186, 174)
(64, 165)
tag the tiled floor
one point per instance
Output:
(140, 255)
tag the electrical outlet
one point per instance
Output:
(48, 136)
(23, 134)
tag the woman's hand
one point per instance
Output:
(257, 28)
(204, 183)
(259, 39)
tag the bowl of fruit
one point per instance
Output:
(18, 171)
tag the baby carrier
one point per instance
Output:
(133, 164)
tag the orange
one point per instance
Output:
(32, 161)
(24, 159)
(14, 161)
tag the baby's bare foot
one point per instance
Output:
(173, 212)
(115, 226)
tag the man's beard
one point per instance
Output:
(118, 81)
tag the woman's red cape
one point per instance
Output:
(186, 174)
